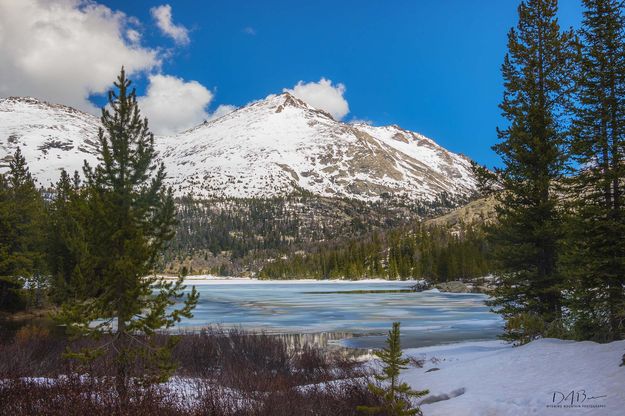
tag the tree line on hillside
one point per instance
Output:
(434, 253)
(248, 230)
(559, 245)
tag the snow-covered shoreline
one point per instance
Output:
(211, 279)
(494, 378)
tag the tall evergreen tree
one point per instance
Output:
(131, 217)
(596, 258)
(487, 181)
(67, 244)
(21, 226)
(537, 80)
(396, 395)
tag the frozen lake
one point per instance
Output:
(296, 307)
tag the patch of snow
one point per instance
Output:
(499, 379)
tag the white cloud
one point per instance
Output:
(133, 36)
(163, 17)
(172, 104)
(65, 50)
(221, 111)
(322, 95)
(360, 121)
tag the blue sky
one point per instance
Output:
(432, 66)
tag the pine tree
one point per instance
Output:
(395, 395)
(8, 283)
(537, 80)
(487, 181)
(67, 244)
(21, 245)
(596, 258)
(131, 216)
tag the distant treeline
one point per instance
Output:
(238, 235)
(435, 253)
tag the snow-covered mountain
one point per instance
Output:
(268, 148)
(51, 136)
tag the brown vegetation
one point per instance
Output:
(219, 373)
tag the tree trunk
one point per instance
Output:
(121, 379)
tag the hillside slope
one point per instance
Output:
(51, 136)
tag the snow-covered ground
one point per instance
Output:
(492, 378)
(544, 377)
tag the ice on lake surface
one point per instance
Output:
(427, 318)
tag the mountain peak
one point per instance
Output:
(284, 99)
(291, 100)
(278, 102)
(24, 100)
(275, 146)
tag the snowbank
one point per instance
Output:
(493, 378)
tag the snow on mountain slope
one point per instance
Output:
(50, 136)
(279, 144)
(268, 148)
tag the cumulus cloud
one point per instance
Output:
(221, 111)
(65, 50)
(322, 95)
(173, 104)
(249, 31)
(162, 15)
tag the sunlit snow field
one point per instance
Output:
(427, 318)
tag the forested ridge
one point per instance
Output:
(412, 252)
(230, 236)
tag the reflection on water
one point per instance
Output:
(328, 341)
(319, 311)
(318, 339)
